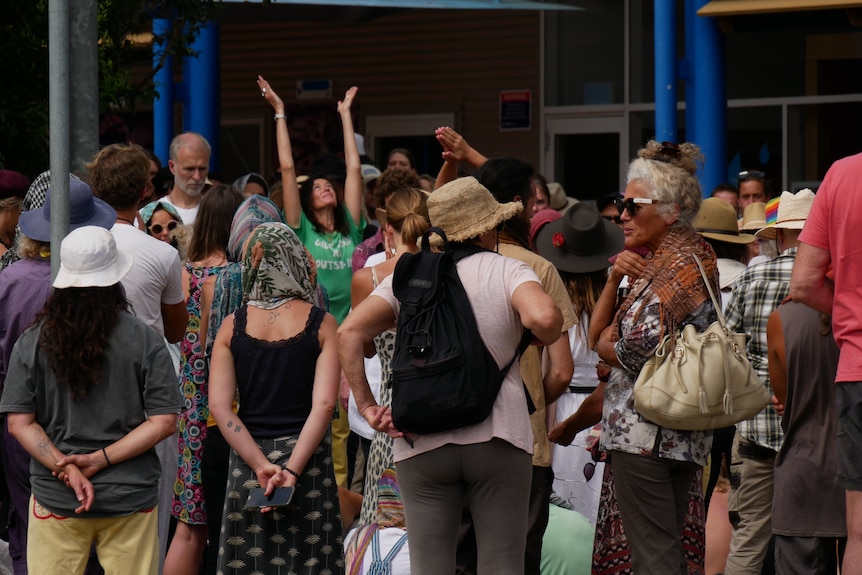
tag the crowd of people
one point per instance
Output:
(206, 385)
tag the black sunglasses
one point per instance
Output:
(614, 219)
(631, 206)
(589, 470)
(751, 175)
(156, 229)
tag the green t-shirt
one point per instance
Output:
(567, 547)
(332, 253)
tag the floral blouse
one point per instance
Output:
(623, 428)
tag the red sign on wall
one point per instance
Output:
(515, 110)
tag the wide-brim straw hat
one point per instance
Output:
(581, 241)
(465, 209)
(793, 210)
(716, 220)
(753, 217)
(89, 258)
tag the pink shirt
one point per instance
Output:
(489, 280)
(834, 221)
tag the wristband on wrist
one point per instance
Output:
(278, 117)
(291, 471)
(105, 453)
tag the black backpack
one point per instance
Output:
(443, 376)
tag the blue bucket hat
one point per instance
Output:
(85, 209)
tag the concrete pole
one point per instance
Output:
(84, 77)
(58, 123)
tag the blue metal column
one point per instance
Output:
(202, 90)
(665, 70)
(710, 97)
(163, 105)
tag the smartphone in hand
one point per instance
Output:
(280, 497)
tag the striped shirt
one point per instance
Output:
(756, 294)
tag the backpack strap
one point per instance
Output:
(384, 566)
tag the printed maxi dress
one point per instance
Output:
(188, 504)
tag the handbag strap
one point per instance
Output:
(708, 283)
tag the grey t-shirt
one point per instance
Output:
(139, 379)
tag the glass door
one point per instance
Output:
(586, 155)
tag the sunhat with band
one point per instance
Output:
(89, 258)
(753, 217)
(716, 220)
(465, 209)
(581, 241)
(85, 209)
(793, 210)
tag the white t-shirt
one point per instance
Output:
(188, 215)
(373, 373)
(489, 280)
(155, 277)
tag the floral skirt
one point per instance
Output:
(303, 539)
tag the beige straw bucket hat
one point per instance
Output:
(464, 209)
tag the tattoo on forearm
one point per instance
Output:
(238, 428)
(43, 443)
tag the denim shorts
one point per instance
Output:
(848, 399)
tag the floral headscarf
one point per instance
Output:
(227, 293)
(148, 211)
(276, 268)
(254, 210)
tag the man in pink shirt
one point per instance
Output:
(829, 239)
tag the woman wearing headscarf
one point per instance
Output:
(277, 353)
(654, 467)
(160, 219)
(222, 294)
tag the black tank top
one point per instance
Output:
(275, 378)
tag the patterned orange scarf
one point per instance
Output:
(672, 275)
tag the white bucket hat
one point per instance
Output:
(89, 258)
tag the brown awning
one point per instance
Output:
(742, 7)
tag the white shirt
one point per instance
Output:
(155, 277)
(188, 215)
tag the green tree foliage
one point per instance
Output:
(24, 66)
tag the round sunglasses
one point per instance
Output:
(156, 229)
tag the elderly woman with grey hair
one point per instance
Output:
(653, 467)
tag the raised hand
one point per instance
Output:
(344, 105)
(270, 95)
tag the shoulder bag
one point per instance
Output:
(700, 380)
